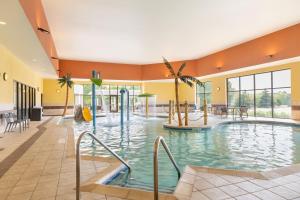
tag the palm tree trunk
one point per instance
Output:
(177, 103)
(66, 103)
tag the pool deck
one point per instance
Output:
(40, 164)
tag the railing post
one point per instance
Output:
(155, 169)
(161, 140)
(170, 111)
(186, 120)
(78, 159)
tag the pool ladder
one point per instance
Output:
(78, 159)
(160, 140)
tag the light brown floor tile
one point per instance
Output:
(217, 181)
(285, 192)
(293, 186)
(23, 189)
(264, 183)
(4, 192)
(248, 186)
(215, 193)
(198, 195)
(24, 196)
(233, 190)
(267, 195)
(201, 184)
(184, 189)
(41, 194)
(247, 197)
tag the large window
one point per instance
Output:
(83, 94)
(202, 93)
(266, 94)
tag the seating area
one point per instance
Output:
(13, 121)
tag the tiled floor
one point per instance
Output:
(46, 170)
(216, 186)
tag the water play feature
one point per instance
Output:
(148, 104)
(124, 91)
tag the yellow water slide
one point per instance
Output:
(86, 113)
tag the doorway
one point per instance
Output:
(113, 102)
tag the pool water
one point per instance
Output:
(243, 146)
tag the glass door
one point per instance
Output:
(113, 102)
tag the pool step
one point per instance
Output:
(124, 193)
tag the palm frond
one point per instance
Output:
(192, 79)
(70, 84)
(66, 79)
(96, 81)
(169, 66)
(187, 81)
(181, 68)
(62, 84)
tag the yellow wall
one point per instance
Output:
(186, 93)
(164, 91)
(54, 95)
(17, 71)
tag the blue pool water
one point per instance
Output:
(244, 146)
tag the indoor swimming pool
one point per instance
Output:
(240, 145)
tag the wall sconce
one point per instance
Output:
(219, 68)
(218, 89)
(58, 91)
(43, 30)
(5, 76)
(271, 56)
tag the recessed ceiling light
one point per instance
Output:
(2, 23)
(34, 60)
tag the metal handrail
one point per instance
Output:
(78, 159)
(161, 140)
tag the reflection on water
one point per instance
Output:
(246, 146)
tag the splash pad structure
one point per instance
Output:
(123, 92)
(148, 105)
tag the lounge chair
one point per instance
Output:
(223, 111)
(243, 111)
(12, 122)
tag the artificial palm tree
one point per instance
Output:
(187, 79)
(66, 80)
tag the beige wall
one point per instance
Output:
(17, 71)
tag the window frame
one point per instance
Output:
(272, 88)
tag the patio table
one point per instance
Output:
(233, 111)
